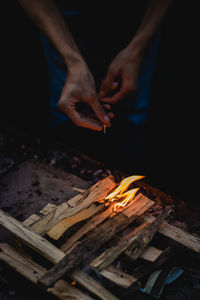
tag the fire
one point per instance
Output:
(127, 197)
(118, 193)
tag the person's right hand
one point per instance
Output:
(80, 87)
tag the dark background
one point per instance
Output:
(168, 145)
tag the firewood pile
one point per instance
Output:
(56, 247)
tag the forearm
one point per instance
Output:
(155, 13)
(48, 18)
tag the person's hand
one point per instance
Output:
(123, 70)
(80, 88)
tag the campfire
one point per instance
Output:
(113, 223)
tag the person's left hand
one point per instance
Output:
(123, 69)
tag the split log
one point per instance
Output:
(151, 253)
(96, 239)
(57, 231)
(137, 247)
(64, 291)
(73, 206)
(92, 285)
(101, 217)
(47, 209)
(32, 219)
(109, 255)
(143, 269)
(29, 237)
(178, 235)
(112, 273)
(133, 243)
(32, 271)
(85, 280)
(89, 226)
(21, 263)
(118, 277)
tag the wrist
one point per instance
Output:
(73, 60)
(140, 42)
(135, 51)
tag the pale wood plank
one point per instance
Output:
(135, 248)
(150, 253)
(109, 255)
(89, 226)
(31, 238)
(65, 291)
(57, 231)
(46, 210)
(118, 277)
(32, 219)
(33, 271)
(80, 277)
(98, 192)
(140, 203)
(178, 235)
(21, 263)
(92, 285)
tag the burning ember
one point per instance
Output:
(73, 282)
(120, 194)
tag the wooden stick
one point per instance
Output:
(112, 273)
(109, 255)
(56, 231)
(118, 277)
(92, 285)
(21, 263)
(32, 239)
(133, 243)
(32, 219)
(32, 271)
(99, 218)
(89, 226)
(151, 253)
(143, 268)
(83, 279)
(96, 239)
(137, 247)
(178, 235)
(140, 271)
(65, 291)
(98, 192)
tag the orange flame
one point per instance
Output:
(128, 196)
(118, 193)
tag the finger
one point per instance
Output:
(107, 106)
(125, 89)
(107, 84)
(82, 121)
(99, 111)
